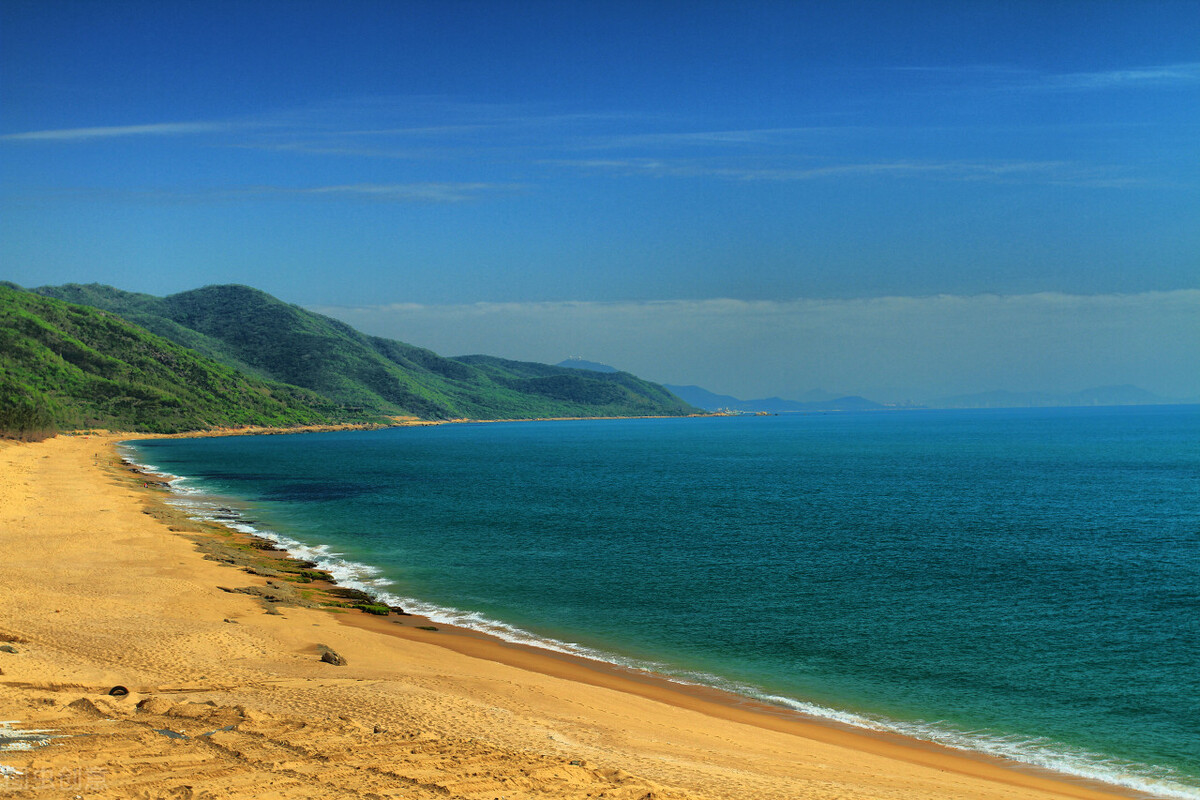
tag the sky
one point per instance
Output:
(896, 199)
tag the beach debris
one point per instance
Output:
(232, 621)
(218, 730)
(118, 691)
(170, 734)
(8, 648)
(9, 772)
(329, 656)
(14, 739)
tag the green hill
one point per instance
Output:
(68, 366)
(252, 331)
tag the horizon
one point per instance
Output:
(886, 199)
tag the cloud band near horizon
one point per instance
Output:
(895, 348)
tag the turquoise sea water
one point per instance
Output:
(1019, 582)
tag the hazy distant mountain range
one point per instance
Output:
(816, 400)
(819, 400)
(702, 398)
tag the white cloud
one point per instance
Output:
(430, 192)
(1008, 78)
(750, 136)
(82, 134)
(1167, 75)
(927, 346)
(400, 192)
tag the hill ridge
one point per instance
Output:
(64, 365)
(252, 331)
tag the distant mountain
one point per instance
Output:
(251, 331)
(817, 396)
(69, 366)
(702, 398)
(1124, 395)
(575, 362)
(777, 405)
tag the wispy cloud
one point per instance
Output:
(749, 137)
(1052, 172)
(972, 78)
(118, 131)
(417, 193)
(398, 192)
(1168, 75)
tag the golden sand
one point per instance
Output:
(228, 700)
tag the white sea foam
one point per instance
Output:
(1032, 751)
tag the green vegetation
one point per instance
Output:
(377, 609)
(64, 366)
(249, 330)
(75, 357)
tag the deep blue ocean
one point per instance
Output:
(1019, 582)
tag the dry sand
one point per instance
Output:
(228, 700)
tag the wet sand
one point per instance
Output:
(227, 695)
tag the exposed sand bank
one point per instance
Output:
(96, 593)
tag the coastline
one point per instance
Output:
(587, 726)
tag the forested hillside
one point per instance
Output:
(68, 366)
(250, 330)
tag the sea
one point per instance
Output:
(1018, 582)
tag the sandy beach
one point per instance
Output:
(227, 695)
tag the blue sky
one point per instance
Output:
(538, 180)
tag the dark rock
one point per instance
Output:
(356, 595)
(275, 592)
(264, 544)
(330, 657)
(8, 648)
(265, 572)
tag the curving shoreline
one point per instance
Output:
(518, 699)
